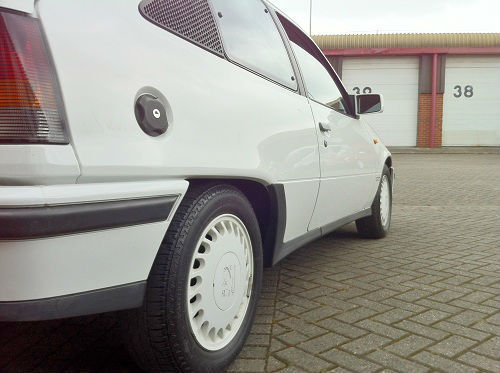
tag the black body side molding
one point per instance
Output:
(48, 221)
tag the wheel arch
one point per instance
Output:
(269, 205)
(388, 162)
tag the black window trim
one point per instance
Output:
(285, 44)
(348, 102)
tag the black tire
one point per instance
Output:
(372, 226)
(158, 334)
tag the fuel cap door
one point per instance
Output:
(151, 115)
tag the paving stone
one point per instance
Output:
(292, 370)
(340, 370)
(355, 315)
(397, 363)
(413, 295)
(247, 365)
(301, 326)
(276, 345)
(426, 297)
(340, 327)
(439, 306)
(430, 317)
(382, 329)
(467, 318)
(393, 316)
(446, 296)
(441, 363)
(487, 327)
(495, 319)
(422, 330)
(461, 330)
(409, 345)
(452, 346)
(489, 348)
(349, 361)
(322, 343)
(303, 359)
(253, 352)
(258, 340)
(414, 308)
(274, 364)
(293, 337)
(365, 344)
(319, 313)
(491, 365)
(367, 303)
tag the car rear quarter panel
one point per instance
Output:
(226, 120)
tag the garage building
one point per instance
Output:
(438, 89)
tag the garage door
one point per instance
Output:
(471, 107)
(396, 78)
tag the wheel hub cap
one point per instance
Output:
(220, 282)
(226, 277)
(385, 201)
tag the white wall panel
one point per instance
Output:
(396, 78)
(471, 112)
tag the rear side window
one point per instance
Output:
(252, 39)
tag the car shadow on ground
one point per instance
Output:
(95, 343)
(82, 344)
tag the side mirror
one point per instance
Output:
(369, 104)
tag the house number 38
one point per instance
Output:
(467, 91)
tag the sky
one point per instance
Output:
(393, 16)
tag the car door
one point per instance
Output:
(347, 154)
(266, 106)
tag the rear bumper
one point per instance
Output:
(69, 250)
(115, 298)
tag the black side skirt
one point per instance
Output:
(276, 249)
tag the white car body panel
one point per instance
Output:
(68, 264)
(264, 141)
(301, 198)
(348, 167)
(56, 266)
(225, 122)
(38, 165)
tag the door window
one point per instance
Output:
(315, 69)
(252, 39)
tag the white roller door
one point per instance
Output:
(471, 108)
(396, 78)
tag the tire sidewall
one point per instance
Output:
(200, 359)
(386, 173)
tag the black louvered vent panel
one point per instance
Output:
(191, 19)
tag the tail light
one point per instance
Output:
(30, 104)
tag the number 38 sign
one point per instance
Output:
(466, 91)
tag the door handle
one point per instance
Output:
(324, 127)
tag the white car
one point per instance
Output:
(155, 155)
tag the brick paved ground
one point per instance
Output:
(426, 298)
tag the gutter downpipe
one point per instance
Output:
(433, 98)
